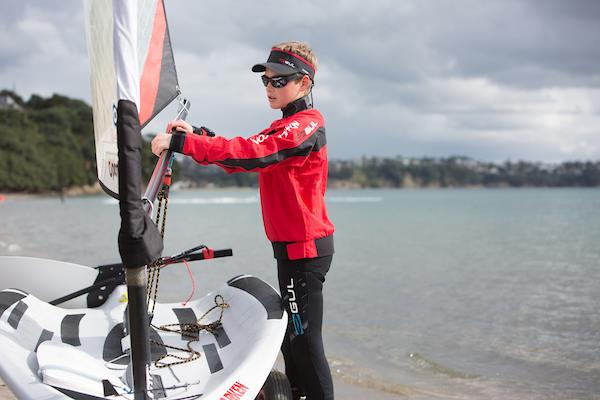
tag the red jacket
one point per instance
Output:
(291, 159)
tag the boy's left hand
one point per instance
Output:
(160, 143)
(179, 125)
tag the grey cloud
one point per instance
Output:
(528, 44)
(506, 41)
(385, 68)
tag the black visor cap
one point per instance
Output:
(286, 63)
(279, 68)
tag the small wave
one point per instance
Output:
(334, 199)
(437, 368)
(353, 375)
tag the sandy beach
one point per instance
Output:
(5, 393)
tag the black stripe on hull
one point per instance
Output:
(8, 298)
(157, 350)
(113, 350)
(77, 395)
(222, 338)
(109, 389)
(69, 329)
(158, 389)
(265, 294)
(44, 337)
(212, 358)
(17, 314)
(186, 316)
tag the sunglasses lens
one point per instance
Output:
(277, 81)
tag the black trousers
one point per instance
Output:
(301, 286)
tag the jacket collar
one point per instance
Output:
(301, 104)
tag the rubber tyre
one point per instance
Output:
(276, 387)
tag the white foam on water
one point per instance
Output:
(355, 199)
(13, 248)
(203, 200)
(216, 200)
(254, 199)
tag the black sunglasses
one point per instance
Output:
(278, 81)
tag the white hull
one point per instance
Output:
(52, 352)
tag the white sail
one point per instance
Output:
(130, 58)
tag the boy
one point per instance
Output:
(290, 157)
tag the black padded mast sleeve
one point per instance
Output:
(140, 243)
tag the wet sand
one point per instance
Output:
(5, 394)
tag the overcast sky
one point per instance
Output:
(492, 80)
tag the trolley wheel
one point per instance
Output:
(276, 387)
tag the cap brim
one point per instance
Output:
(279, 68)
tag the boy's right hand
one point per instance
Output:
(179, 125)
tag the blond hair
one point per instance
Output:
(299, 48)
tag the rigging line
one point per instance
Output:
(193, 283)
(190, 330)
(154, 268)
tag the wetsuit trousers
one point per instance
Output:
(301, 286)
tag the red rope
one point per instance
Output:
(193, 283)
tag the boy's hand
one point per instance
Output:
(179, 125)
(160, 143)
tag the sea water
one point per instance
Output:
(434, 293)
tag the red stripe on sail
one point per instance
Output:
(151, 73)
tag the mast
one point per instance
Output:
(140, 243)
(133, 78)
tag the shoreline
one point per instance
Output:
(94, 190)
(5, 393)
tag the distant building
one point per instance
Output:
(7, 101)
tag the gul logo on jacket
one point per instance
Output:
(310, 128)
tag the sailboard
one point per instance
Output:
(55, 352)
(106, 340)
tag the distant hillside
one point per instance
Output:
(47, 144)
(460, 172)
